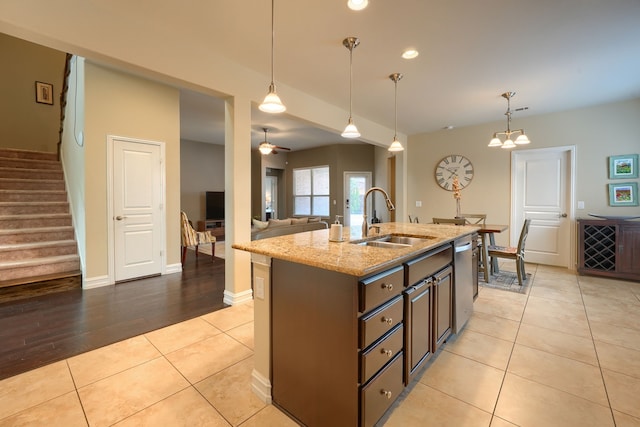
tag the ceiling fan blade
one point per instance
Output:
(282, 148)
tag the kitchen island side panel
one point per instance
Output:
(314, 344)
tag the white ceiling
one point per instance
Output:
(556, 54)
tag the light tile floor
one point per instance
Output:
(567, 353)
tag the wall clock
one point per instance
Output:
(451, 166)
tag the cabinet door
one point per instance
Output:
(418, 333)
(628, 249)
(443, 307)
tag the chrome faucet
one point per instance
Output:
(365, 225)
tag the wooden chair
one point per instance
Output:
(191, 237)
(514, 253)
(474, 219)
(454, 221)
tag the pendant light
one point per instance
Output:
(395, 144)
(264, 147)
(357, 4)
(272, 102)
(509, 143)
(351, 131)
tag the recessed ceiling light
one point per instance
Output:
(357, 4)
(449, 127)
(410, 53)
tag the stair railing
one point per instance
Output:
(63, 98)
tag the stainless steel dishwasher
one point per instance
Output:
(463, 282)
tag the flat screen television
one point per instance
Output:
(214, 205)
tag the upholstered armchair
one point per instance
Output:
(191, 237)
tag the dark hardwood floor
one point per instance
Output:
(36, 331)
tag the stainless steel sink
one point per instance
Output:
(383, 244)
(393, 241)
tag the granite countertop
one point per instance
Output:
(313, 248)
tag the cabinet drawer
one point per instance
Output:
(375, 358)
(380, 321)
(428, 264)
(377, 396)
(379, 288)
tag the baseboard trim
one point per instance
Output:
(239, 298)
(96, 282)
(261, 386)
(173, 268)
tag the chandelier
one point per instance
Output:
(509, 143)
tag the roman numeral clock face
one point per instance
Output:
(453, 166)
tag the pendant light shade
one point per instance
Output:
(272, 102)
(509, 143)
(351, 131)
(395, 144)
(357, 4)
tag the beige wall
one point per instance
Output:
(201, 170)
(340, 158)
(596, 132)
(120, 104)
(34, 126)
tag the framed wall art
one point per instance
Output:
(623, 167)
(623, 194)
(44, 93)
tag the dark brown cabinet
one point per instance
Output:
(420, 307)
(343, 348)
(419, 336)
(609, 248)
(443, 315)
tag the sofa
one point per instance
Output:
(281, 227)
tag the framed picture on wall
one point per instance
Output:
(623, 194)
(44, 93)
(623, 167)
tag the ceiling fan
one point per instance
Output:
(266, 147)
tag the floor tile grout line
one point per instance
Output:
(595, 349)
(455, 398)
(506, 369)
(77, 391)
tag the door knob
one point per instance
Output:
(562, 215)
(120, 218)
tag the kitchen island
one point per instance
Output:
(342, 327)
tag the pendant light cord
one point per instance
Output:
(350, 81)
(273, 35)
(395, 128)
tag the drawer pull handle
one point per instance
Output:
(387, 286)
(389, 353)
(387, 320)
(386, 393)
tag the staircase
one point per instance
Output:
(37, 241)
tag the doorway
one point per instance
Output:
(542, 183)
(135, 208)
(355, 186)
(271, 197)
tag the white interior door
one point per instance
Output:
(355, 185)
(137, 200)
(542, 191)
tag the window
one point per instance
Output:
(311, 191)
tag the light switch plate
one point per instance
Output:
(580, 204)
(418, 203)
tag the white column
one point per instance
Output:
(237, 163)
